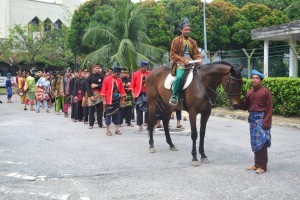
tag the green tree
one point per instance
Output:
(58, 54)
(221, 16)
(122, 39)
(158, 30)
(86, 17)
(253, 16)
(11, 52)
(31, 41)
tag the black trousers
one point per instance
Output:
(140, 117)
(85, 113)
(126, 114)
(72, 110)
(92, 110)
(78, 111)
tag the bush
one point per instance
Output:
(285, 94)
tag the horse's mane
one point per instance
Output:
(219, 62)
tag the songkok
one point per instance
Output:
(125, 70)
(144, 63)
(117, 69)
(255, 72)
(184, 22)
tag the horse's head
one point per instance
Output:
(232, 84)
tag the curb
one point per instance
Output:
(230, 116)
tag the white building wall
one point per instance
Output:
(21, 12)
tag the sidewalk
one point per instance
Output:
(293, 122)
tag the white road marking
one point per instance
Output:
(11, 162)
(85, 198)
(21, 176)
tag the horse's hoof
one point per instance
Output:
(195, 163)
(204, 160)
(173, 148)
(152, 150)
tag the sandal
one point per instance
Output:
(118, 133)
(180, 126)
(108, 133)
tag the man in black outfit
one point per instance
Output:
(93, 87)
(71, 89)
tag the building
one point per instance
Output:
(23, 12)
(284, 32)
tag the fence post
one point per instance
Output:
(249, 59)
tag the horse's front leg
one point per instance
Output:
(166, 119)
(194, 136)
(204, 119)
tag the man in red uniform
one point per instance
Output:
(138, 88)
(113, 93)
(259, 104)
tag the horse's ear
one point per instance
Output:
(241, 67)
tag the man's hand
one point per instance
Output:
(186, 62)
(93, 98)
(93, 85)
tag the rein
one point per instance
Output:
(227, 87)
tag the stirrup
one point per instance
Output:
(173, 101)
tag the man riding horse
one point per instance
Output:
(183, 50)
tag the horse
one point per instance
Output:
(198, 98)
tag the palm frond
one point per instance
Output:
(98, 35)
(101, 55)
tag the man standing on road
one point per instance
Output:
(93, 86)
(138, 88)
(183, 50)
(258, 102)
(113, 93)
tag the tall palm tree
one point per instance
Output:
(122, 39)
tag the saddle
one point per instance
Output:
(186, 80)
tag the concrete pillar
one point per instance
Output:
(266, 57)
(292, 64)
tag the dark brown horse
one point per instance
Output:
(197, 99)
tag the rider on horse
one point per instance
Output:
(183, 50)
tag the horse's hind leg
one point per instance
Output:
(204, 119)
(152, 104)
(166, 119)
(194, 136)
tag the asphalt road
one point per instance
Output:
(45, 156)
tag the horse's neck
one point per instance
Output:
(214, 75)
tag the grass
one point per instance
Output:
(3, 91)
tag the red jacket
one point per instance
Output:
(108, 86)
(136, 82)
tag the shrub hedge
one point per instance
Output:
(285, 94)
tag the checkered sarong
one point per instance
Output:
(258, 135)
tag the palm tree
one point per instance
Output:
(122, 38)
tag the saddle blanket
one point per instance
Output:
(170, 79)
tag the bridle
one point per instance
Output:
(227, 87)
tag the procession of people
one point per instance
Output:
(110, 96)
(100, 96)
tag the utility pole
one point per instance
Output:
(204, 24)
